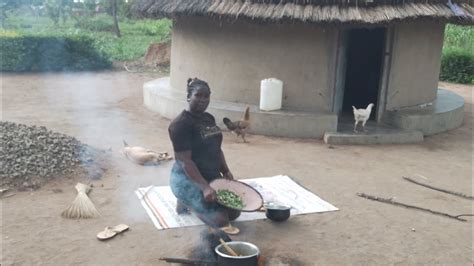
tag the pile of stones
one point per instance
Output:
(29, 155)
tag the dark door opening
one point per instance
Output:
(364, 68)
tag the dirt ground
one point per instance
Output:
(102, 109)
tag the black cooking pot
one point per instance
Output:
(277, 212)
(233, 213)
(248, 254)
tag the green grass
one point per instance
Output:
(137, 35)
(459, 38)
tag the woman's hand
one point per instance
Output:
(228, 175)
(209, 194)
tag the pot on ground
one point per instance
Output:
(248, 254)
(277, 212)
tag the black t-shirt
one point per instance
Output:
(199, 134)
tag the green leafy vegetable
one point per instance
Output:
(230, 199)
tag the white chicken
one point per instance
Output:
(361, 115)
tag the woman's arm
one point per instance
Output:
(191, 170)
(224, 169)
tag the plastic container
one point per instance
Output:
(271, 94)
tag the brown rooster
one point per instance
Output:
(239, 127)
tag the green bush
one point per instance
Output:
(49, 53)
(457, 66)
(160, 28)
(461, 37)
(132, 45)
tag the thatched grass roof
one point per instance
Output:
(314, 11)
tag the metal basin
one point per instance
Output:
(248, 254)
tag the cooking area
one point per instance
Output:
(360, 232)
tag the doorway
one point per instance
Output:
(364, 57)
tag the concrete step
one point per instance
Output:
(159, 96)
(445, 114)
(379, 136)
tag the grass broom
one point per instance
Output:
(82, 206)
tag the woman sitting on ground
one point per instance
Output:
(199, 158)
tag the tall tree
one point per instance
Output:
(114, 14)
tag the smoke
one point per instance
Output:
(87, 105)
(204, 251)
(99, 110)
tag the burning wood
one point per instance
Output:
(187, 261)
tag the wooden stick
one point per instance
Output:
(439, 189)
(230, 250)
(390, 201)
(460, 215)
(186, 261)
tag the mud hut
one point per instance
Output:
(330, 55)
